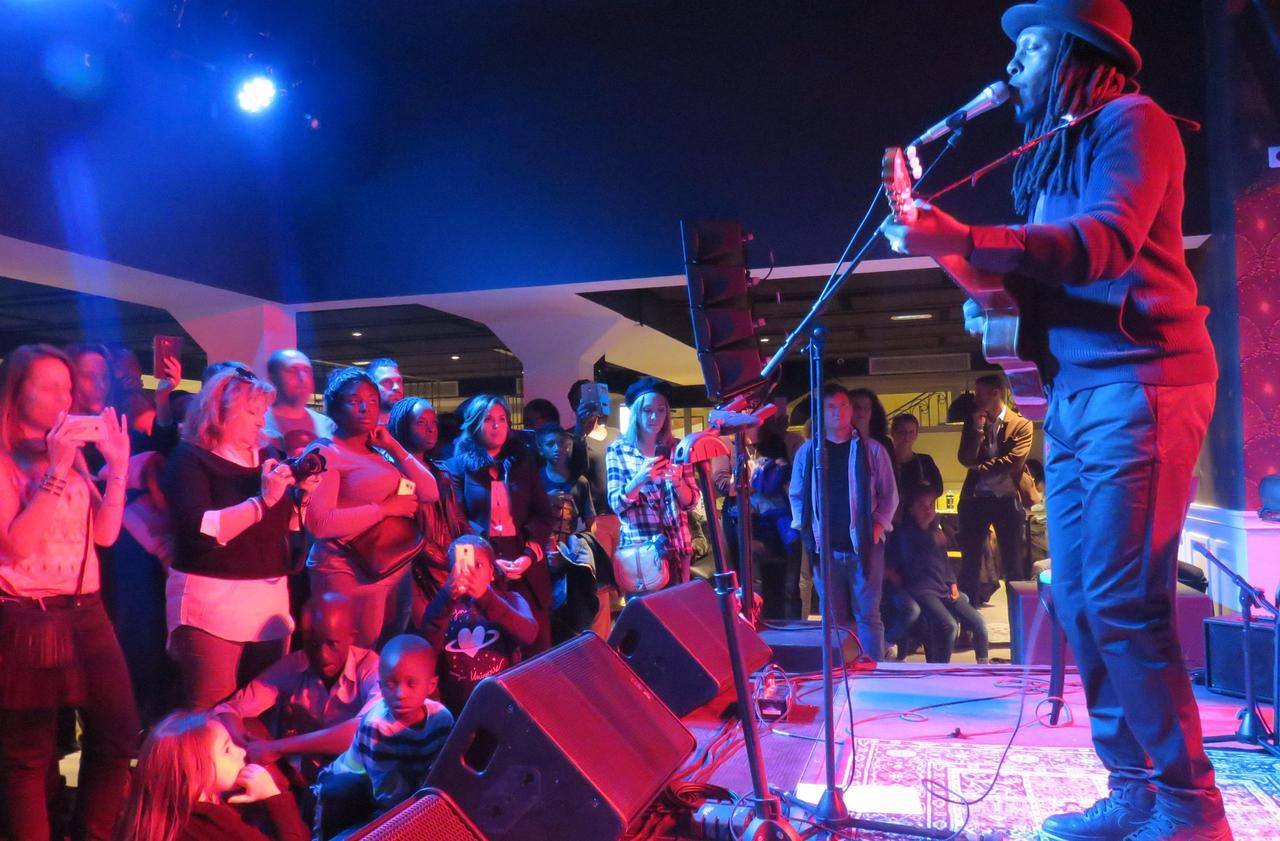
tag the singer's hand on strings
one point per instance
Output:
(934, 233)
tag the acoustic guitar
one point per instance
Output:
(1001, 333)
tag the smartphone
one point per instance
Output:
(465, 554)
(407, 487)
(162, 348)
(663, 451)
(84, 427)
(595, 395)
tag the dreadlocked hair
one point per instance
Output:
(1082, 78)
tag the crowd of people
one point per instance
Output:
(293, 605)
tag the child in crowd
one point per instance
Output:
(189, 779)
(917, 551)
(574, 574)
(395, 743)
(476, 629)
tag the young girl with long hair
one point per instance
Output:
(189, 777)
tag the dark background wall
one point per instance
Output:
(465, 144)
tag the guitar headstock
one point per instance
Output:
(898, 170)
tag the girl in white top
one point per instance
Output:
(57, 647)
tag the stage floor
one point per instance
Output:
(920, 728)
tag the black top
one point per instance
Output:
(918, 558)
(838, 496)
(196, 481)
(918, 470)
(531, 513)
(218, 822)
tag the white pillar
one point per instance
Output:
(248, 334)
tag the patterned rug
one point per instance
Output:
(1034, 783)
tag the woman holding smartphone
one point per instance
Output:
(499, 483)
(650, 495)
(57, 647)
(364, 515)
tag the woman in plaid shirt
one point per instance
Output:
(650, 495)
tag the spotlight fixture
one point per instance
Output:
(912, 316)
(455, 357)
(764, 339)
(356, 334)
(256, 95)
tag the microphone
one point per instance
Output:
(992, 96)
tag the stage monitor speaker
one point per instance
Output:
(797, 646)
(674, 640)
(570, 746)
(1030, 631)
(1224, 667)
(427, 816)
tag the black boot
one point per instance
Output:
(1111, 819)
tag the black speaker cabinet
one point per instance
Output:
(797, 646)
(674, 640)
(1031, 632)
(569, 746)
(427, 816)
(1224, 667)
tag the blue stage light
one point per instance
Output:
(256, 94)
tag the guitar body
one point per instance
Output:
(1001, 337)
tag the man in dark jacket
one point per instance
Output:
(994, 446)
(1109, 301)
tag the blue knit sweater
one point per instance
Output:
(1101, 272)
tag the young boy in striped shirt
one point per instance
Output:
(395, 742)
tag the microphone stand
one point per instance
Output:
(767, 821)
(1253, 729)
(832, 812)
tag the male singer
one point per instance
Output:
(1108, 297)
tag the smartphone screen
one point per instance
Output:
(406, 488)
(162, 348)
(595, 395)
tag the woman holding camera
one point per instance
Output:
(57, 647)
(364, 514)
(650, 495)
(231, 504)
(498, 481)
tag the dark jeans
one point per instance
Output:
(212, 668)
(111, 733)
(977, 514)
(855, 597)
(343, 801)
(900, 611)
(1119, 460)
(944, 618)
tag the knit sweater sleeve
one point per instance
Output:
(1135, 152)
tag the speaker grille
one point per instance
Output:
(428, 816)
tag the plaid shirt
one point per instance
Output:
(655, 512)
